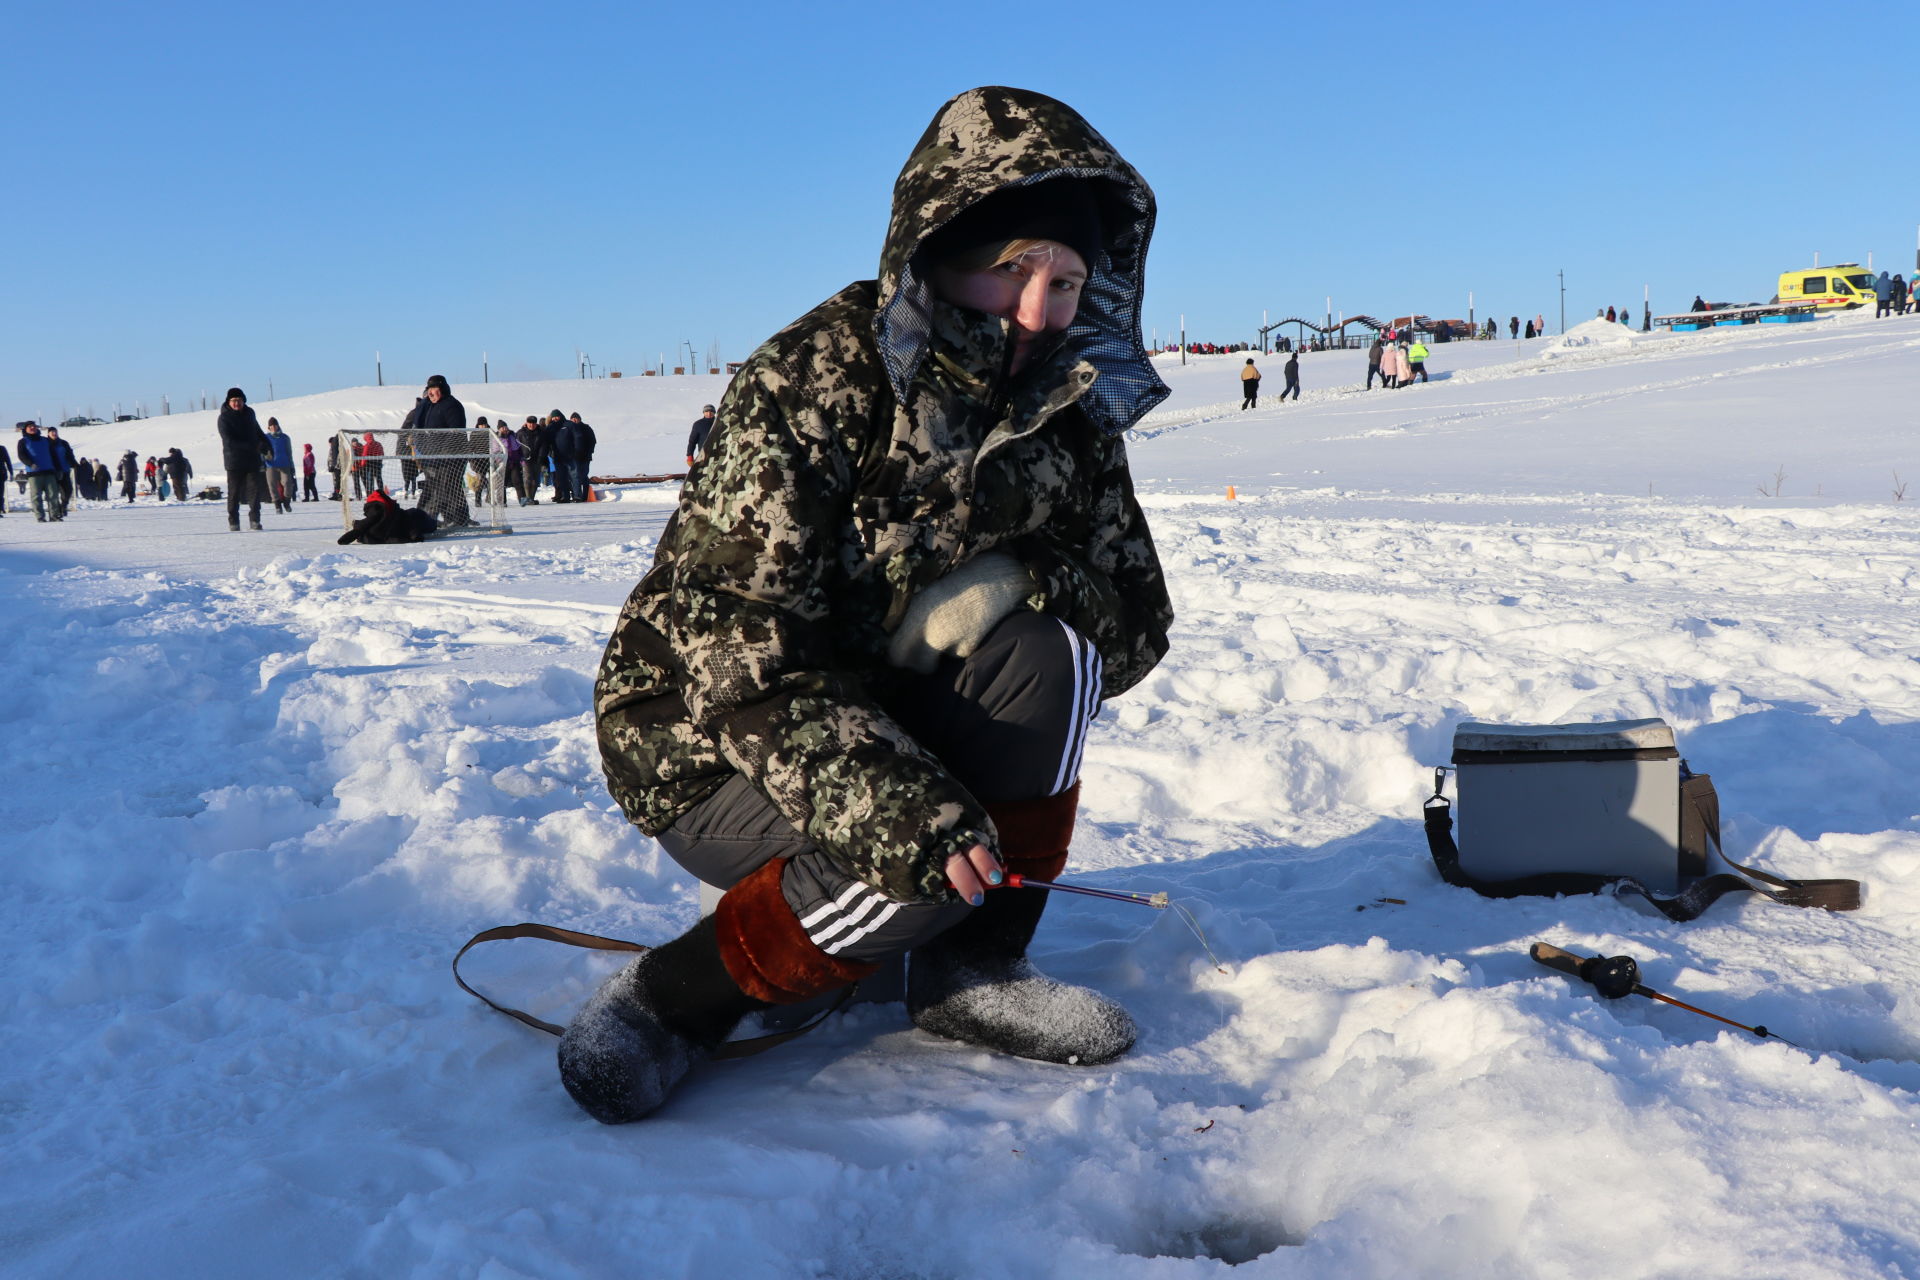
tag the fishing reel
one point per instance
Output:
(1614, 977)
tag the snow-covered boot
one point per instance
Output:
(974, 982)
(648, 1024)
(651, 1022)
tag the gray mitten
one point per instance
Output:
(954, 614)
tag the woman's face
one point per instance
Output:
(1038, 291)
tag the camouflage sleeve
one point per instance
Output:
(1103, 576)
(752, 623)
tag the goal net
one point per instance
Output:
(459, 477)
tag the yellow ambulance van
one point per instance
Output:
(1845, 284)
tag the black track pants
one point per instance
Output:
(244, 486)
(1010, 722)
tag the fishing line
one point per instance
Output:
(1158, 901)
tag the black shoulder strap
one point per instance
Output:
(1831, 895)
(592, 941)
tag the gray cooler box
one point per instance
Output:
(1602, 799)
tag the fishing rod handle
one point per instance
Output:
(1554, 958)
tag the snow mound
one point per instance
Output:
(1597, 334)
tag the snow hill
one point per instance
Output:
(263, 786)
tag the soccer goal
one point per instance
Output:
(460, 477)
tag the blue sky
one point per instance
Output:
(222, 194)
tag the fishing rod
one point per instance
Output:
(1158, 901)
(1616, 977)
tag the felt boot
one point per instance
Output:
(653, 1020)
(974, 983)
(648, 1024)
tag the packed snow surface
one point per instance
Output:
(262, 787)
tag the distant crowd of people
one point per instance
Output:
(441, 460)
(51, 476)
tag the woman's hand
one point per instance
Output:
(974, 872)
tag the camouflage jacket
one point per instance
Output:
(860, 454)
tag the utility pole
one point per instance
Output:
(484, 377)
(1183, 337)
(1470, 323)
(269, 390)
(1563, 300)
(379, 378)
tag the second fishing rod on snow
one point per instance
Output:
(1616, 977)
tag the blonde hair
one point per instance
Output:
(998, 253)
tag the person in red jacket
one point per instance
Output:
(371, 453)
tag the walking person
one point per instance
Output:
(1402, 367)
(6, 474)
(1374, 352)
(829, 693)
(697, 438)
(35, 453)
(1249, 385)
(152, 472)
(244, 450)
(280, 467)
(1417, 361)
(1291, 371)
(1539, 326)
(1897, 296)
(307, 469)
(1882, 296)
(129, 472)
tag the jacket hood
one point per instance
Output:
(989, 139)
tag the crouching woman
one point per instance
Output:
(854, 687)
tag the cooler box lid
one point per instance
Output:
(1474, 738)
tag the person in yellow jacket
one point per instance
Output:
(1249, 385)
(1417, 360)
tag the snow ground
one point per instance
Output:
(263, 786)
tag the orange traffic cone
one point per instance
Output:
(593, 494)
